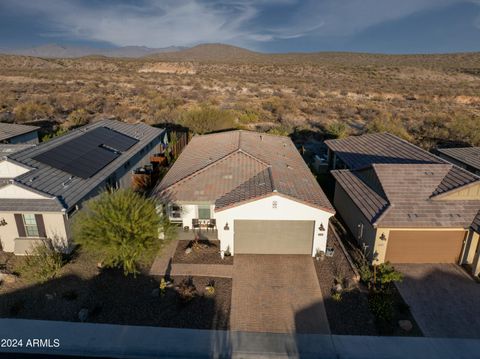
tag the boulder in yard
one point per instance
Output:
(7, 278)
(405, 325)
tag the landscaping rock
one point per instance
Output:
(155, 292)
(83, 314)
(99, 265)
(49, 296)
(188, 250)
(337, 288)
(405, 325)
(7, 278)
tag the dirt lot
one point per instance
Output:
(110, 297)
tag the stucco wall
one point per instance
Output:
(353, 217)
(262, 209)
(31, 137)
(11, 170)
(54, 228)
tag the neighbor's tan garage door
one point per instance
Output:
(424, 246)
(273, 237)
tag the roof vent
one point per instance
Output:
(288, 166)
(428, 173)
(412, 215)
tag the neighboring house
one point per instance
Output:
(465, 157)
(46, 184)
(13, 133)
(254, 187)
(404, 204)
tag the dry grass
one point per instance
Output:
(431, 98)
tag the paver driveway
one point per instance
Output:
(443, 299)
(277, 294)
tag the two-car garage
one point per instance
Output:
(427, 246)
(273, 237)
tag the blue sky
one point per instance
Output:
(389, 26)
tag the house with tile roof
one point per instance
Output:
(43, 186)
(253, 188)
(465, 157)
(404, 204)
(13, 133)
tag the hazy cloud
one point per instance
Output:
(187, 22)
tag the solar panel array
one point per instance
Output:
(87, 154)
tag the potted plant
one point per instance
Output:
(319, 255)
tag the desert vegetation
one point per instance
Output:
(429, 99)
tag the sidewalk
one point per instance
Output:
(116, 341)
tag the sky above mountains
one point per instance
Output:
(388, 26)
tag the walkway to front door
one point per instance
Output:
(277, 294)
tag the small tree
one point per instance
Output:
(122, 227)
(42, 263)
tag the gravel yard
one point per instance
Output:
(208, 252)
(107, 296)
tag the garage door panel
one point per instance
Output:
(273, 237)
(424, 246)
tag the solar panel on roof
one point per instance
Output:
(87, 154)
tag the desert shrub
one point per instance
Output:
(42, 263)
(337, 297)
(186, 290)
(386, 274)
(58, 132)
(389, 124)
(77, 118)
(29, 111)
(381, 305)
(280, 131)
(466, 129)
(248, 117)
(208, 119)
(210, 288)
(121, 227)
(337, 129)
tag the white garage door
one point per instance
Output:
(273, 237)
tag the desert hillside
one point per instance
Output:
(429, 99)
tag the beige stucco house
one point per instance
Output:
(404, 204)
(42, 187)
(253, 189)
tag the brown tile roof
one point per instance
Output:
(406, 196)
(467, 155)
(231, 167)
(362, 151)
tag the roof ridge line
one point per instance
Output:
(274, 188)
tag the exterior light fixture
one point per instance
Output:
(321, 228)
(383, 237)
(3, 222)
(226, 228)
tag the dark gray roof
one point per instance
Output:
(230, 167)
(9, 149)
(467, 155)
(407, 195)
(476, 223)
(9, 130)
(361, 151)
(33, 205)
(69, 189)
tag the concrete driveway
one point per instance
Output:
(444, 300)
(277, 294)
